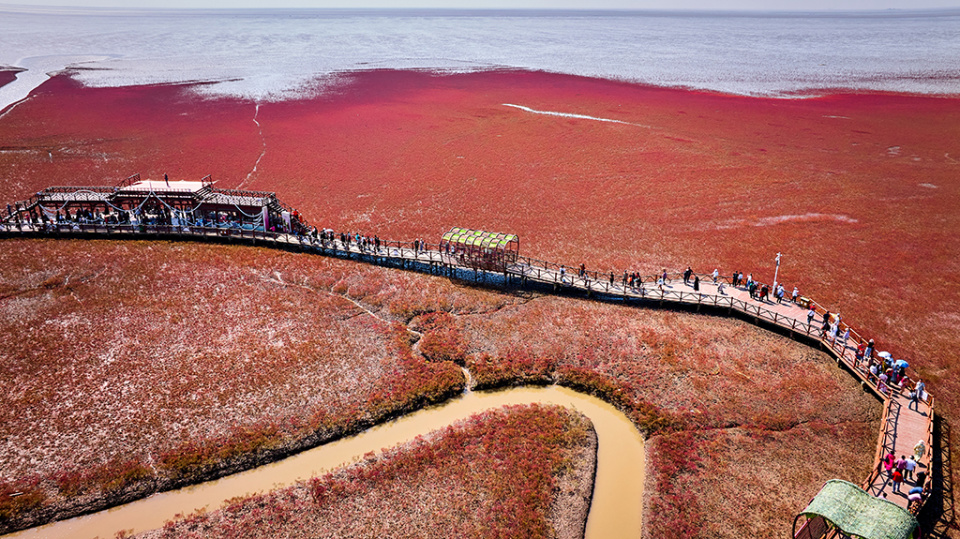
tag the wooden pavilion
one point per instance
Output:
(480, 249)
(842, 509)
(158, 202)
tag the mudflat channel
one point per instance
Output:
(615, 511)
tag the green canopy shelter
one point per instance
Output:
(845, 507)
(481, 249)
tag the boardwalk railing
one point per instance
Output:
(559, 276)
(885, 445)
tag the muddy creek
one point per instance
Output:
(614, 512)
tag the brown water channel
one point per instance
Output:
(618, 490)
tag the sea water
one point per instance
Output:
(276, 54)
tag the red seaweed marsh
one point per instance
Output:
(144, 365)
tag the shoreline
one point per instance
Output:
(810, 92)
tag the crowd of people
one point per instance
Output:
(368, 244)
(901, 470)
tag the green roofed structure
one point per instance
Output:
(480, 249)
(843, 507)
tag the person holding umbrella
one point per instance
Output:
(886, 357)
(901, 366)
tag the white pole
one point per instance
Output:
(775, 273)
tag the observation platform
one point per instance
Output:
(157, 203)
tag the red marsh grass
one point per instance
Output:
(134, 357)
(7, 76)
(859, 191)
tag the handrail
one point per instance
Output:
(242, 192)
(74, 189)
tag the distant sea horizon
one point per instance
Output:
(275, 54)
(497, 12)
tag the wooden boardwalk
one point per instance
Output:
(901, 426)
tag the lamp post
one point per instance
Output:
(775, 272)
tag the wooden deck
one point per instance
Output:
(901, 427)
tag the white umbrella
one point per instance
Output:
(885, 355)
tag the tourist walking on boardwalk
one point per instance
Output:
(810, 314)
(889, 463)
(716, 275)
(796, 294)
(919, 450)
(916, 396)
(611, 278)
(664, 275)
(882, 382)
(696, 283)
(901, 464)
(686, 275)
(858, 354)
(909, 466)
(897, 478)
(563, 274)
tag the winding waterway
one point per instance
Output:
(617, 498)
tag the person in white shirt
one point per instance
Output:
(910, 466)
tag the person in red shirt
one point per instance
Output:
(897, 479)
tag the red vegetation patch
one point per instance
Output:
(495, 475)
(67, 141)
(292, 357)
(672, 370)
(7, 76)
(747, 482)
(442, 339)
(858, 191)
(853, 189)
(137, 363)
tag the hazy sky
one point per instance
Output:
(765, 5)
